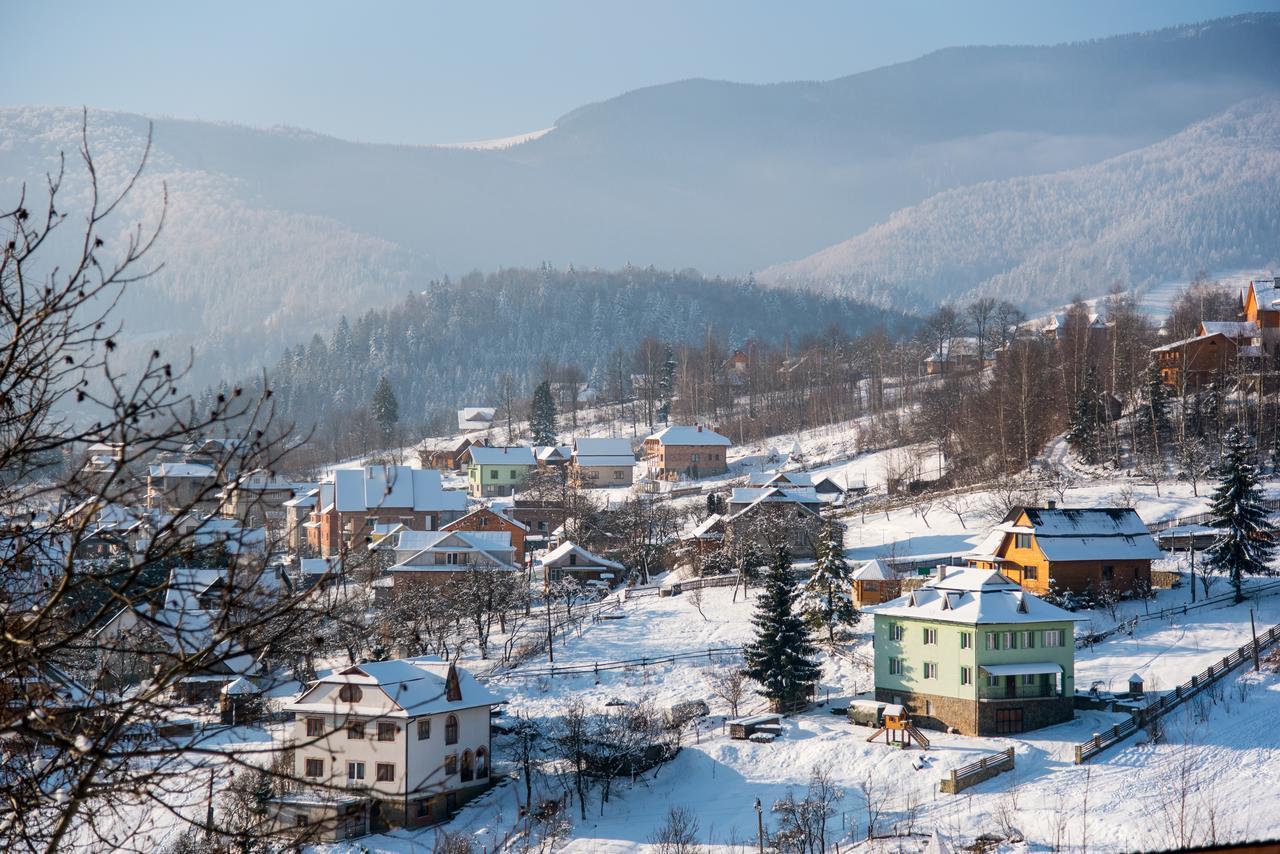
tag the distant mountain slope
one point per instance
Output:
(727, 178)
(1206, 197)
(447, 347)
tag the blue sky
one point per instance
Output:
(432, 72)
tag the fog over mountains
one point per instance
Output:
(271, 234)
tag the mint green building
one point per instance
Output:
(971, 650)
(497, 471)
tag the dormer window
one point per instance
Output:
(573, 560)
(350, 694)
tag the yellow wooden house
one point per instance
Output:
(1079, 550)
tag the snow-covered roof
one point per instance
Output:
(955, 348)
(586, 559)
(704, 528)
(1231, 328)
(306, 499)
(689, 435)
(873, 570)
(617, 461)
(192, 470)
(779, 478)
(746, 495)
(1101, 533)
(974, 596)
(603, 448)
(357, 490)
(552, 453)
(517, 455)
(1026, 668)
(475, 418)
(416, 550)
(416, 685)
(320, 565)
(460, 523)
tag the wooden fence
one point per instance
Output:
(1175, 698)
(552, 670)
(959, 779)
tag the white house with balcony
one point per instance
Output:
(387, 744)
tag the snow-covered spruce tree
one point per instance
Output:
(1084, 433)
(542, 415)
(386, 410)
(1152, 416)
(1246, 542)
(781, 657)
(825, 601)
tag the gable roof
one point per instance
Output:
(779, 478)
(1096, 533)
(516, 455)
(684, 435)
(457, 524)
(417, 686)
(183, 470)
(603, 448)
(414, 547)
(873, 570)
(1230, 328)
(566, 548)
(476, 417)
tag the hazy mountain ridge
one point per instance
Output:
(274, 232)
(1203, 198)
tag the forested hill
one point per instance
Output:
(448, 346)
(1204, 198)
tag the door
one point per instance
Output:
(1011, 686)
(1008, 721)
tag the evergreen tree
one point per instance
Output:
(825, 600)
(666, 384)
(1246, 542)
(1084, 434)
(781, 657)
(542, 415)
(386, 410)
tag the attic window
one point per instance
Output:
(350, 694)
(452, 690)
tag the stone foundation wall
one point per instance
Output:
(1037, 712)
(947, 712)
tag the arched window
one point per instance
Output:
(350, 694)
(468, 766)
(451, 729)
(482, 762)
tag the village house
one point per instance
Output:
(972, 650)
(406, 740)
(357, 499)
(445, 454)
(797, 508)
(553, 457)
(956, 355)
(258, 498)
(541, 516)
(180, 485)
(705, 537)
(476, 419)
(1077, 550)
(832, 487)
(498, 471)
(1205, 357)
(874, 583)
(693, 452)
(1261, 305)
(569, 560)
(488, 519)
(436, 557)
(299, 516)
(602, 462)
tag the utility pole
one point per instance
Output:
(1253, 631)
(551, 640)
(760, 824)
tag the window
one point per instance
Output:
(573, 559)
(896, 631)
(355, 730)
(315, 727)
(1022, 541)
(451, 729)
(350, 694)
(993, 640)
(1108, 572)
(930, 635)
(482, 762)
(300, 820)
(1006, 640)
(619, 475)
(468, 767)
(993, 681)
(385, 772)
(928, 708)
(513, 474)
(424, 729)
(355, 770)
(1031, 573)
(693, 458)
(930, 670)
(966, 640)
(895, 666)
(315, 768)
(451, 764)
(1028, 679)
(453, 558)
(966, 676)
(493, 474)
(387, 732)
(1026, 640)
(1052, 637)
